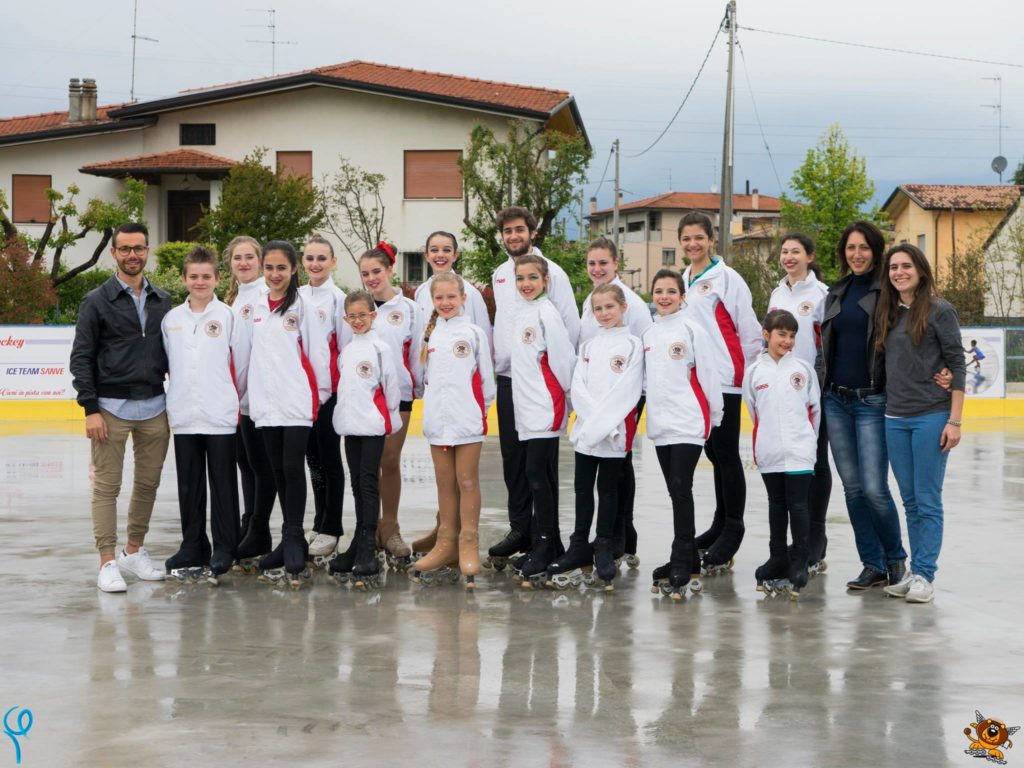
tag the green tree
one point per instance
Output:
(540, 170)
(832, 189)
(353, 207)
(1018, 175)
(263, 203)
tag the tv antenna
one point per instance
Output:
(273, 42)
(135, 37)
(998, 162)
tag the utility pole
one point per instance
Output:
(725, 207)
(615, 210)
(135, 37)
(998, 107)
(582, 220)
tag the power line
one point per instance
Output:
(746, 73)
(687, 96)
(884, 48)
(605, 171)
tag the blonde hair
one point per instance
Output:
(232, 293)
(442, 277)
(614, 290)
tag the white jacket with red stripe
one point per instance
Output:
(719, 302)
(785, 404)
(542, 357)
(202, 398)
(806, 301)
(459, 383)
(475, 307)
(606, 386)
(684, 394)
(507, 303)
(400, 324)
(274, 362)
(637, 317)
(245, 300)
(368, 388)
(327, 302)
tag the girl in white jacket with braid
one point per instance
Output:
(782, 394)
(684, 405)
(542, 358)
(458, 391)
(606, 387)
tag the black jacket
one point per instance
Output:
(875, 362)
(112, 355)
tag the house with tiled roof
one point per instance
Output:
(946, 220)
(409, 125)
(647, 227)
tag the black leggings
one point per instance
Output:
(286, 450)
(723, 449)
(787, 505)
(678, 462)
(542, 475)
(513, 460)
(259, 500)
(196, 458)
(819, 495)
(326, 474)
(608, 474)
(363, 456)
(624, 527)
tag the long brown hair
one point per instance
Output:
(887, 311)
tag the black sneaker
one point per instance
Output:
(897, 571)
(869, 577)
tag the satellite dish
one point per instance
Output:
(999, 164)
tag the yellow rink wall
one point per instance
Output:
(35, 416)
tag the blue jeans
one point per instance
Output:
(920, 467)
(856, 432)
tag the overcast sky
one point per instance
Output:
(915, 119)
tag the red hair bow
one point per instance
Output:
(382, 246)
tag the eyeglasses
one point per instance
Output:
(138, 250)
(360, 318)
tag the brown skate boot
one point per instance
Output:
(469, 556)
(441, 563)
(396, 552)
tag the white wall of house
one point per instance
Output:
(1004, 269)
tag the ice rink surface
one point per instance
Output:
(246, 674)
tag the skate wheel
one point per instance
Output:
(632, 562)
(470, 583)
(676, 595)
(609, 587)
(696, 587)
(655, 589)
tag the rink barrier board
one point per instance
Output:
(15, 416)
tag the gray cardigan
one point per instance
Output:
(910, 389)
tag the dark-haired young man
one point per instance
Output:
(119, 364)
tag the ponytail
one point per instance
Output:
(426, 337)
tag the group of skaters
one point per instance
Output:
(271, 381)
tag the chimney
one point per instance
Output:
(755, 201)
(74, 101)
(88, 100)
(593, 205)
(748, 186)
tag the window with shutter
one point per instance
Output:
(197, 134)
(295, 164)
(29, 204)
(433, 174)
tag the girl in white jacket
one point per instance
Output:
(802, 293)
(400, 324)
(719, 301)
(278, 354)
(323, 452)
(459, 389)
(244, 255)
(202, 411)
(606, 385)
(542, 357)
(782, 394)
(684, 406)
(367, 413)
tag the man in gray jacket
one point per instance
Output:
(119, 364)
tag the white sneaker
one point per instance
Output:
(323, 545)
(310, 536)
(921, 591)
(138, 564)
(901, 588)
(110, 578)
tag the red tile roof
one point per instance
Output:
(975, 197)
(702, 201)
(175, 161)
(12, 126)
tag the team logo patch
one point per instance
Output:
(805, 308)
(395, 318)
(704, 289)
(461, 349)
(291, 321)
(213, 329)
(618, 364)
(364, 369)
(322, 314)
(247, 311)
(676, 350)
(798, 380)
(529, 335)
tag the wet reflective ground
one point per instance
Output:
(247, 674)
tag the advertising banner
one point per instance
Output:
(34, 362)
(985, 355)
